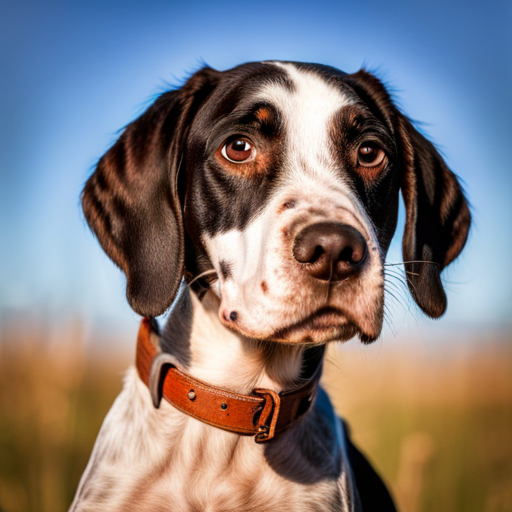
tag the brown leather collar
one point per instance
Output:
(263, 413)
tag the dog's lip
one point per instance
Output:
(324, 318)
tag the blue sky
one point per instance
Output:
(74, 73)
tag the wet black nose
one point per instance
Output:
(330, 251)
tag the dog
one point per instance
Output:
(258, 204)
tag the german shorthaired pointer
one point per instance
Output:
(258, 204)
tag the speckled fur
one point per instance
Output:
(148, 459)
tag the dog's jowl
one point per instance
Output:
(258, 204)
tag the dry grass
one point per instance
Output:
(53, 397)
(438, 425)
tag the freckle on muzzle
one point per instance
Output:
(330, 251)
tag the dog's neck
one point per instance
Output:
(222, 357)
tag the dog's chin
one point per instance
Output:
(323, 326)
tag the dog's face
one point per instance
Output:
(284, 179)
(276, 167)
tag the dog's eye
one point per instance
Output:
(238, 151)
(370, 155)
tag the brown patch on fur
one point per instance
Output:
(264, 286)
(263, 114)
(267, 138)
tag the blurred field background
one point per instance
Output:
(430, 403)
(437, 425)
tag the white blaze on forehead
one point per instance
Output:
(311, 168)
(308, 111)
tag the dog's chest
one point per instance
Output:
(232, 477)
(162, 460)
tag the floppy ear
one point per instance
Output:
(437, 219)
(131, 201)
(437, 213)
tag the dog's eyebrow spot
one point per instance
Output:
(263, 114)
(225, 269)
(264, 286)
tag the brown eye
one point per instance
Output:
(238, 151)
(370, 155)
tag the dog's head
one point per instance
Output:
(283, 178)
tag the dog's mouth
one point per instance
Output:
(326, 324)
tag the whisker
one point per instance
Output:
(410, 283)
(395, 283)
(399, 285)
(395, 274)
(399, 277)
(406, 304)
(398, 289)
(388, 323)
(394, 297)
(396, 271)
(412, 261)
(206, 273)
(397, 280)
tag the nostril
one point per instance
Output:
(317, 254)
(353, 255)
(358, 254)
(347, 255)
(305, 252)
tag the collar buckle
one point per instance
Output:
(268, 418)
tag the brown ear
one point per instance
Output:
(437, 213)
(131, 201)
(437, 219)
